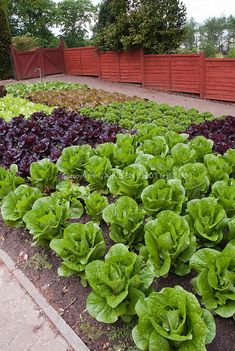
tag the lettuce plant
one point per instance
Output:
(97, 171)
(217, 167)
(207, 219)
(194, 179)
(130, 181)
(106, 150)
(117, 282)
(229, 157)
(47, 219)
(169, 243)
(163, 166)
(125, 219)
(156, 146)
(44, 174)
(215, 281)
(73, 160)
(9, 180)
(201, 147)
(172, 319)
(173, 138)
(95, 204)
(125, 152)
(17, 203)
(164, 195)
(144, 160)
(73, 193)
(81, 244)
(182, 153)
(224, 192)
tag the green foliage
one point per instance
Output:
(44, 174)
(164, 195)
(207, 219)
(224, 192)
(17, 203)
(215, 280)
(158, 27)
(73, 160)
(80, 245)
(133, 114)
(25, 42)
(9, 180)
(11, 106)
(47, 219)
(5, 42)
(97, 170)
(74, 18)
(169, 243)
(95, 204)
(130, 181)
(22, 89)
(172, 319)
(73, 193)
(117, 282)
(125, 220)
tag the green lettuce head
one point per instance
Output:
(97, 171)
(194, 179)
(125, 219)
(217, 167)
(44, 174)
(172, 319)
(117, 282)
(207, 220)
(201, 147)
(130, 181)
(215, 281)
(224, 192)
(17, 203)
(80, 245)
(9, 180)
(164, 195)
(95, 204)
(156, 146)
(47, 219)
(169, 243)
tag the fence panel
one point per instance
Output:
(130, 66)
(220, 79)
(109, 66)
(157, 71)
(81, 61)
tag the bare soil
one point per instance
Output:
(68, 297)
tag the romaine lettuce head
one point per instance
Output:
(130, 181)
(117, 282)
(17, 203)
(215, 281)
(194, 179)
(207, 220)
(125, 219)
(95, 204)
(182, 153)
(97, 171)
(172, 319)
(164, 195)
(170, 243)
(201, 147)
(44, 174)
(73, 160)
(173, 138)
(156, 146)
(163, 166)
(9, 180)
(47, 219)
(224, 192)
(217, 168)
(81, 244)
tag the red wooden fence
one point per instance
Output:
(30, 64)
(210, 78)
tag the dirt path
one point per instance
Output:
(217, 108)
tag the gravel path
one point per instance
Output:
(217, 108)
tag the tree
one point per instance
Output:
(74, 17)
(5, 42)
(158, 26)
(191, 38)
(35, 17)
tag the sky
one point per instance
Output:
(202, 9)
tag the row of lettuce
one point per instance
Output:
(169, 206)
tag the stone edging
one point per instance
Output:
(69, 335)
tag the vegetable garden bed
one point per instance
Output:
(125, 212)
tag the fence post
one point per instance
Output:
(61, 47)
(41, 61)
(15, 63)
(202, 64)
(119, 67)
(170, 73)
(142, 68)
